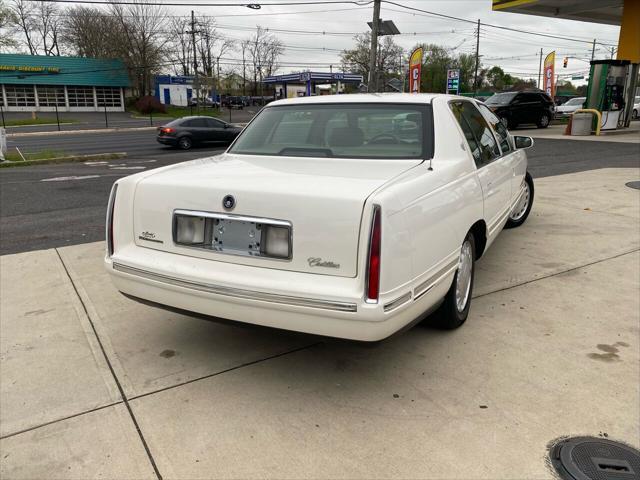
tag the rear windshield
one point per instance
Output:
(341, 131)
(501, 98)
(576, 101)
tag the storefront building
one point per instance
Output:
(34, 83)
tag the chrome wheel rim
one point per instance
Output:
(544, 121)
(521, 208)
(463, 281)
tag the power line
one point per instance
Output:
(459, 19)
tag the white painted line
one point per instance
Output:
(73, 177)
(126, 168)
(95, 163)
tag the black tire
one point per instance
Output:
(185, 143)
(518, 220)
(544, 121)
(448, 316)
(634, 115)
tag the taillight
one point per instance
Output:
(166, 130)
(373, 260)
(110, 212)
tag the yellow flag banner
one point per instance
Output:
(549, 74)
(415, 70)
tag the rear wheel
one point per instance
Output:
(635, 114)
(185, 143)
(521, 211)
(544, 121)
(454, 310)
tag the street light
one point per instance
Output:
(378, 28)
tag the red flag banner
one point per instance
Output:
(415, 70)
(550, 74)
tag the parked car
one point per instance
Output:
(204, 102)
(636, 108)
(516, 108)
(569, 107)
(235, 102)
(188, 131)
(320, 219)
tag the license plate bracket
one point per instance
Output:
(237, 237)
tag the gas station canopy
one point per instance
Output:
(625, 13)
(596, 11)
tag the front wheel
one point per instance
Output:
(455, 308)
(521, 211)
(544, 121)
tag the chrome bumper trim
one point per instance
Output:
(432, 281)
(238, 293)
(397, 302)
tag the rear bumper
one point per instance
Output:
(167, 140)
(324, 310)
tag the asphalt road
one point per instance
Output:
(55, 205)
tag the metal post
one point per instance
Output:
(106, 120)
(229, 113)
(475, 77)
(195, 57)
(57, 118)
(593, 50)
(2, 115)
(373, 58)
(540, 71)
(151, 117)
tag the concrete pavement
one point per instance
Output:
(110, 388)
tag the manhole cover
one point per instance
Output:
(589, 458)
(635, 185)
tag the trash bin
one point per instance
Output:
(581, 123)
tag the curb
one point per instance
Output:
(71, 158)
(75, 132)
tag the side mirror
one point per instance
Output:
(523, 142)
(226, 125)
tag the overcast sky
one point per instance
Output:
(496, 46)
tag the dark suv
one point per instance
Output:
(515, 108)
(187, 131)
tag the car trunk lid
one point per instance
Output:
(323, 200)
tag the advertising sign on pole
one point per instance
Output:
(549, 74)
(415, 70)
(453, 81)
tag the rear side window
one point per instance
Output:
(498, 127)
(194, 122)
(477, 132)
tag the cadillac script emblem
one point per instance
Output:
(229, 202)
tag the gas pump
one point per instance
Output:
(606, 91)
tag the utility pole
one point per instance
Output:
(613, 49)
(475, 77)
(593, 50)
(540, 71)
(195, 56)
(373, 79)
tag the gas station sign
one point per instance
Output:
(453, 81)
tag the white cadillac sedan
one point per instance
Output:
(327, 215)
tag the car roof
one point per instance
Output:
(416, 98)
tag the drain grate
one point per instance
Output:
(590, 458)
(635, 185)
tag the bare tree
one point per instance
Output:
(90, 32)
(7, 27)
(143, 42)
(389, 61)
(47, 25)
(23, 16)
(264, 51)
(179, 46)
